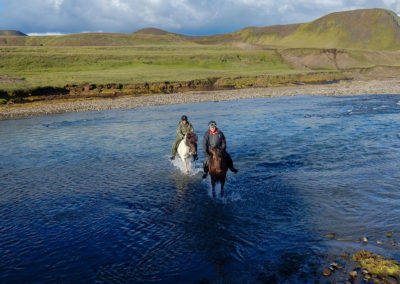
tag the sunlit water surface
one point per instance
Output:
(93, 197)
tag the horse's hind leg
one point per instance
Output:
(189, 163)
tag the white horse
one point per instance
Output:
(187, 148)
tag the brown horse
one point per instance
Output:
(217, 167)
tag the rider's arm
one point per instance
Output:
(179, 132)
(223, 142)
(205, 145)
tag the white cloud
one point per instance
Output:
(56, 4)
(285, 8)
(45, 34)
(182, 16)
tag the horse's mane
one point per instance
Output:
(219, 153)
(191, 137)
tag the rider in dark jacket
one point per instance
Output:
(214, 138)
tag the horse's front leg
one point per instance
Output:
(213, 187)
(186, 166)
(222, 187)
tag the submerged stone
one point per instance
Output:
(330, 235)
(353, 274)
(326, 272)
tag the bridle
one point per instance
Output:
(214, 158)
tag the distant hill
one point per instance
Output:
(94, 39)
(11, 33)
(375, 29)
(151, 31)
(367, 28)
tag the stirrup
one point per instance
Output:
(205, 175)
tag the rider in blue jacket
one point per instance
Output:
(214, 138)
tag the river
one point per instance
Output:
(93, 197)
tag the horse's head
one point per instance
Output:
(217, 156)
(191, 142)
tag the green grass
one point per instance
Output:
(58, 66)
(29, 67)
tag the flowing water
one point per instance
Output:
(93, 197)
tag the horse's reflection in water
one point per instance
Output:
(217, 168)
(182, 187)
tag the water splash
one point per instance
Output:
(194, 167)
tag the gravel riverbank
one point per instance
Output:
(344, 88)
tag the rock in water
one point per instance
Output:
(353, 274)
(364, 240)
(326, 272)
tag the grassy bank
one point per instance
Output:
(58, 66)
(32, 73)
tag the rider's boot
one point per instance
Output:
(196, 157)
(205, 168)
(174, 149)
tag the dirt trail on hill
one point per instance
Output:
(344, 88)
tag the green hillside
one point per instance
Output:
(376, 29)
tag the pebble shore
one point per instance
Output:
(343, 88)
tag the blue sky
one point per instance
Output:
(192, 17)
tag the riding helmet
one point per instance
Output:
(212, 123)
(184, 117)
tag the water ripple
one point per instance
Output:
(93, 197)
